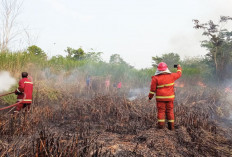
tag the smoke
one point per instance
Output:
(62, 76)
(6, 81)
(137, 93)
(187, 44)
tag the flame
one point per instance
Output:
(179, 84)
(201, 84)
(228, 90)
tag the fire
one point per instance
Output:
(228, 90)
(179, 84)
(201, 84)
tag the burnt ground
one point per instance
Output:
(111, 125)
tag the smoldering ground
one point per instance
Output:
(69, 123)
(136, 93)
(107, 125)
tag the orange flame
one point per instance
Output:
(201, 84)
(179, 84)
(228, 90)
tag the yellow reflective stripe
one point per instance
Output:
(160, 86)
(28, 82)
(152, 92)
(179, 71)
(161, 120)
(24, 100)
(171, 121)
(27, 100)
(164, 97)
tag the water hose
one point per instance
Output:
(4, 108)
(6, 94)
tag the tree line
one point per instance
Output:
(216, 65)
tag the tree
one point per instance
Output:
(8, 15)
(93, 56)
(169, 58)
(219, 45)
(76, 54)
(37, 51)
(117, 59)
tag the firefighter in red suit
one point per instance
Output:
(24, 93)
(162, 84)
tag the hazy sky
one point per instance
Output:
(135, 29)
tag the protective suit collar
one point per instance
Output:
(161, 72)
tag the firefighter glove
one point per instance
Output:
(17, 92)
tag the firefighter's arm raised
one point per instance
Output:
(20, 89)
(178, 73)
(153, 88)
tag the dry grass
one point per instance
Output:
(66, 124)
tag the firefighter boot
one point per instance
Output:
(171, 126)
(161, 125)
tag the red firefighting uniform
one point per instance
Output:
(25, 88)
(163, 86)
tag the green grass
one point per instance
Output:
(22, 61)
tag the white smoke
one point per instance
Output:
(6, 81)
(137, 93)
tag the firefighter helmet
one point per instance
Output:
(162, 66)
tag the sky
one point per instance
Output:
(135, 29)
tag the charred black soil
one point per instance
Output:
(111, 125)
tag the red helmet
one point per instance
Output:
(162, 66)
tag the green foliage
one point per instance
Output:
(80, 54)
(169, 58)
(12, 61)
(117, 59)
(92, 64)
(219, 46)
(93, 56)
(10, 99)
(64, 63)
(76, 54)
(196, 68)
(37, 51)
